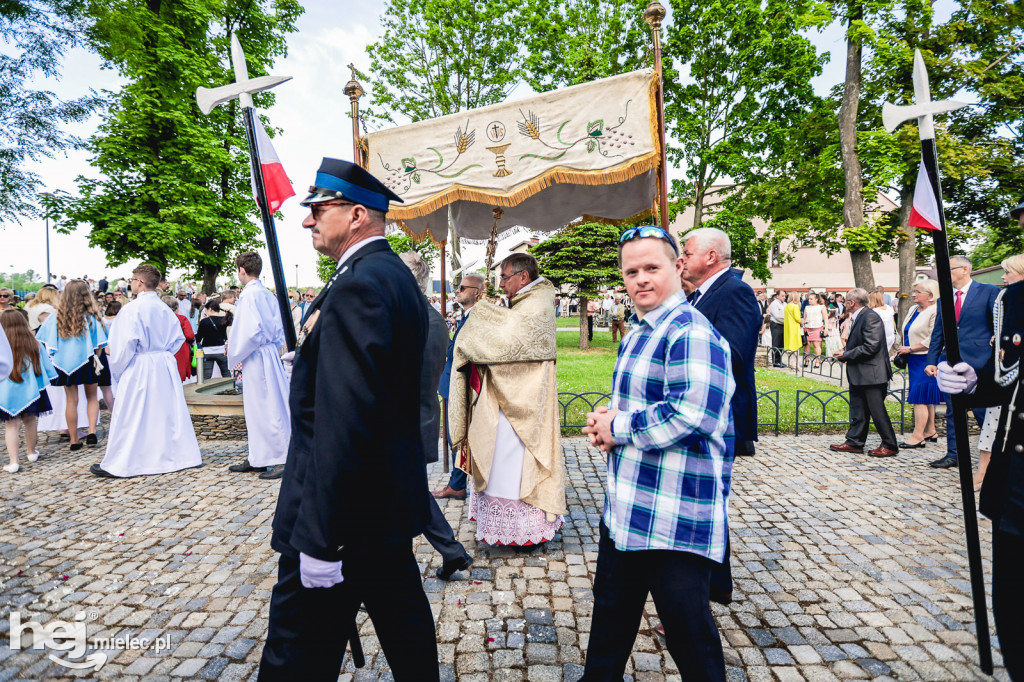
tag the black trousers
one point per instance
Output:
(439, 534)
(307, 636)
(778, 340)
(721, 576)
(1008, 599)
(678, 581)
(868, 401)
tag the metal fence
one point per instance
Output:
(823, 398)
(773, 398)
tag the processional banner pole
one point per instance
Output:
(924, 110)
(653, 15)
(243, 89)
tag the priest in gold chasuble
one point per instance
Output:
(503, 411)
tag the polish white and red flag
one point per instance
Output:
(275, 181)
(925, 211)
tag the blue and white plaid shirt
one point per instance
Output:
(669, 477)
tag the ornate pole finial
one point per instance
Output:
(354, 91)
(653, 15)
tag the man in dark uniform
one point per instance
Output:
(1002, 494)
(355, 413)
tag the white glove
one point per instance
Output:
(317, 573)
(960, 378)
(287, 360)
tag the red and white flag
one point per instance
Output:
(925, 211)
(275, 181)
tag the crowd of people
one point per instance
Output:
(358, 397)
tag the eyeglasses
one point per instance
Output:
(318, 209)
(647, 231)
(308, 296)
(463, 287)
(505, 278)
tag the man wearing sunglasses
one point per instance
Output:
(665, 432)
(503, 406)
(354, 490)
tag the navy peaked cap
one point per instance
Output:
(1015, 213)
(339, 179)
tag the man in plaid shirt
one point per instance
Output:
(668, 436)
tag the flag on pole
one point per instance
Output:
(925, 211)
(275, 181)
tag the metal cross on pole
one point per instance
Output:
(243, 89)
(924, 109)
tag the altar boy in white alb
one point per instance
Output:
(256, 336)
(150, 431)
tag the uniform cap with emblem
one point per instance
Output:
(1015, 213)
(343, 180)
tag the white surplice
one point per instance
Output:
(150, 431)
(256, 334)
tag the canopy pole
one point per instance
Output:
(354, 91)
(492, 243)
(444, 314)
(653, 15)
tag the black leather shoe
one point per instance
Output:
(450, 568)
(905, 444)
(724, 598)
(96, 470)
(273, 473)
(244, 467)
(91, 439)
(944, 463)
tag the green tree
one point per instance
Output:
(583, 256)
(439, 57)
(174, 185)
(747, 74)
(583, 40)
(36, 34)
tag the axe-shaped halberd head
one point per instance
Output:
(923, 108)
(242, 88)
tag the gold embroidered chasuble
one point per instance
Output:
(514, 352)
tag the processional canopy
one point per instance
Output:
(588, 151)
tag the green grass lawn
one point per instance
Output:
(568, 321)
(581, 371)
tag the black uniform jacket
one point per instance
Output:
(354, 478)
(1002, 493)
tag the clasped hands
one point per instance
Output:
(599, 428)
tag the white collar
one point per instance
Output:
(350, 251)
(703, 288)
(527, 287)
(964, 289)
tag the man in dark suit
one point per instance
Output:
(731, 307)
(355, 409)
(869, 372)
(470, 290)
(437, 531)
(776, 323)
(972, 303)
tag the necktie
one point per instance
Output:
(692, 298)
(957, 305)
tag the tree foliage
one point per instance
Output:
(399, 243)
(583, 256)
(36, 34)
(174, 185)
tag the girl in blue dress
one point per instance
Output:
(23, 394)
(74, 338)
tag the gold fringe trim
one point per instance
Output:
(553, 176)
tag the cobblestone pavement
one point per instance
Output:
(845, 569)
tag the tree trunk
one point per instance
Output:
(853, 200)
(210, 273)
(584, 341)
(908, 252)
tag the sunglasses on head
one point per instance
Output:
(648, 231)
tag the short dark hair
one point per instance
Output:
(149, 275)
(251, 262)
(522, 262)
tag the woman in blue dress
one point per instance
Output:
(23, 394)
(74, 338)
(924, 392)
